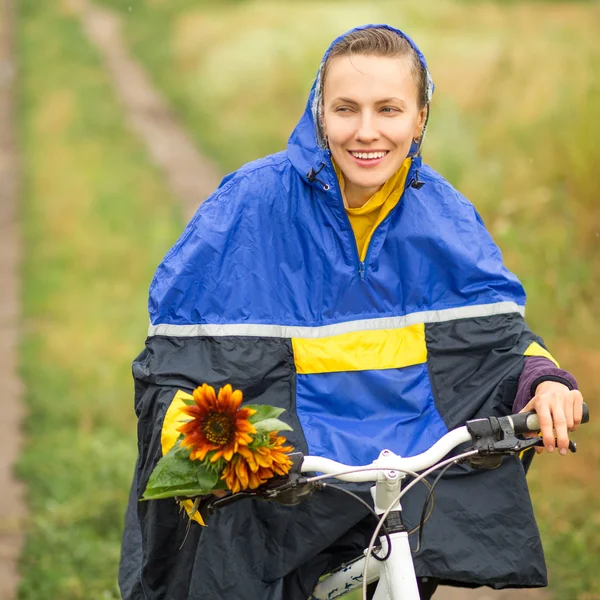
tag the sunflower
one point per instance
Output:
(238, 475)
(251, 467)
(218, 423)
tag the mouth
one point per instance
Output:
(368, 159)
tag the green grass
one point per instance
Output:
(96, 221)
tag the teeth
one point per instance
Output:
(367, 155)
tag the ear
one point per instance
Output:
(421, 122)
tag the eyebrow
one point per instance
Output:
(391, 99)
(345, 100)
(382, 101)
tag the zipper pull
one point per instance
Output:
(361, 270)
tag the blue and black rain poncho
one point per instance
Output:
(265, 290)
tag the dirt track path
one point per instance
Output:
(191, 176)
(12, 507)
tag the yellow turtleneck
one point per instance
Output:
(366, 218)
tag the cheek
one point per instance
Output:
(339, 130)
(402, 131)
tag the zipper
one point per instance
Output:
(368, 252)
(414, 182)
(362, 265)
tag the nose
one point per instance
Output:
(367, 131)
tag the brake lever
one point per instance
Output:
(264, 492)
(495, 437)
(215, 503)
(289, 490)
(296, 489)
(539, 442)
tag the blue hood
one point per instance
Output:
(306, 146)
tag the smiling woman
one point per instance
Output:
(375, 104)
(349, 284)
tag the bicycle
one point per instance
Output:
(491, 439)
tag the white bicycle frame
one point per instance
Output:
(397, 579)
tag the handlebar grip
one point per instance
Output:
(528, 422)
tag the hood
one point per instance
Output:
(307, 148)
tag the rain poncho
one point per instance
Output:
(265, 290)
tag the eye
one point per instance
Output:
(390, 110)
(343, 109)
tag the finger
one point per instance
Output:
(568, 406)
(545, 419)
(577, 408)
(538, 449)
(560, 424)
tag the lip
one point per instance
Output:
(368, 163)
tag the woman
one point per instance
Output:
(348, 283)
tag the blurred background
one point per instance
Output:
(514, 126)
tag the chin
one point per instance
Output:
(371, 182)
(371, 186)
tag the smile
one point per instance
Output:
(369, 155)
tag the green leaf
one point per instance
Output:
(176, 475)
(264, 411)
(181, 451)
(189, 402)
(268, 425)
(172, 492)
(220, 485)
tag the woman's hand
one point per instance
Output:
(559, 409)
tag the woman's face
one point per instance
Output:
(370, 116)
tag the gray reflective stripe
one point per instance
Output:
(291, 331)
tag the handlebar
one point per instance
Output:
(493, 436)
(528, 422)
(420, 462)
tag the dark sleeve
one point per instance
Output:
(536, 370)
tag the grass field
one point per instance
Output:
(96, 221)
(513, 127)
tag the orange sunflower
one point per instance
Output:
(218, 423)
(251, 467)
